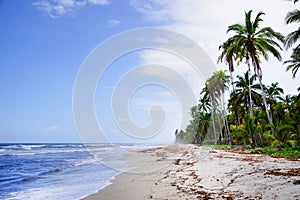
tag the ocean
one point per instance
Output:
(57, 171)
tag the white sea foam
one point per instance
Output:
(82, 174)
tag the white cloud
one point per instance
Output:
(184, 70)
(206, 23)
(113, 23)
(52, 128)
(58, 8)
(99, 2)
(153, 10)
(54, 11)
(149, 103)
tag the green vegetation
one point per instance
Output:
(288, 152)
(256, 115)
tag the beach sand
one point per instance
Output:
(191, 172)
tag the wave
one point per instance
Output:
(29, 178)
(21, 146)
(56, 170)
(66, 145)
(9, 179)
(87, 162)
(48, 151)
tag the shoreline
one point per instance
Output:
(193, 172)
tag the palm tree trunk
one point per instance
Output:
(264, 100)
(263, 92)
(237, 117)
(235, 109)
(213, 119)
(228, 138)
(250, 96)
(224, 114)
(231, 79)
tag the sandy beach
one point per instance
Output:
(192, 172)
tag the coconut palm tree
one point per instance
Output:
(294, 63)
(228, 55)
(204, 101)
(274, 93)
(245, 87)
(217, 84)
(293, 37)
(203, 127)
(251, 42)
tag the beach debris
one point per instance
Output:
(177, 161)
(296, 182)
(284, 172)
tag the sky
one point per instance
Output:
(44, 44)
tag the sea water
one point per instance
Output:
(56, 171)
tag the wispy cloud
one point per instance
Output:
(58, 8)
(206, 23)
(149, 103)
(52, 128)
(99, 2)
(113, 23)
(153, 10)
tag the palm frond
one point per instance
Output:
(292, 38)
(292, 16)
(257, 20)
(238, 28)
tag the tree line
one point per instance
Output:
(256, 114)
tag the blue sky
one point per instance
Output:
(40, 57)
(44, 43)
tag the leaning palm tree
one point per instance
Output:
(228, 55)
(217, 84)
(252, 42)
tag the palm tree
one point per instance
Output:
(241, 99)
(250, 42)
(284, 136)
(293, 37)
(203, 127)
(249, 130)
(217, 84)
(228, 54)
(274, 93)
(193, 112)
(288, 100)
(205, 103)
(294, 63)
